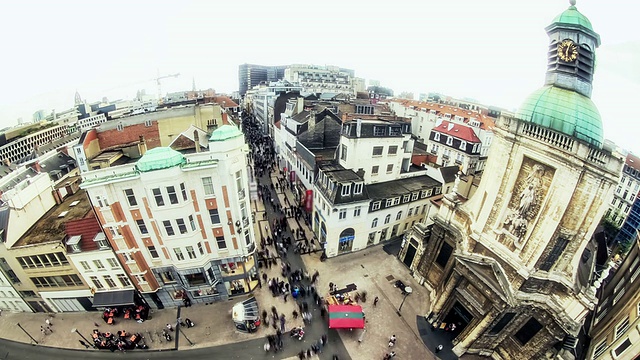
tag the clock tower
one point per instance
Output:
(572, 51)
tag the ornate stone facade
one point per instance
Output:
(507, 266)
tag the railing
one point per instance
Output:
(549, 136)
(597, 156)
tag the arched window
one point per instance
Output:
(399, 215)
(374, 223)
(387, 218)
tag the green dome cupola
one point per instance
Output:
(159, 158)
(225, 132)
(564, 111)
(564, 103)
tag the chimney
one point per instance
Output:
(36, 166)
(196, 140)
(142, 146)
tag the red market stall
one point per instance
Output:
(346, 317)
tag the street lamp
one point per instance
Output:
(407, 290)
(25, 331)
(74, 330)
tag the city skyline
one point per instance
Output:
(494, 52)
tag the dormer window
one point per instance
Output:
(74, 243)
(436, 136)
(357, 189)
(449, 140)
(463, 145)
(379, 131)
(101, 240)
(395, 131)
(346, 190)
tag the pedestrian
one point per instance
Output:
(84, 344)
(439, 348)
(392, 340)
(295, 314)
(375, 301)
(48, 322)
(392, 355)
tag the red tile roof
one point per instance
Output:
(87, 227)
(228, 103)
(459, 131)
(486, 123)
(633, 161)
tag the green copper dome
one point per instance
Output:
(572, 16)
(225, 132)
(564, 111)
(159, 158)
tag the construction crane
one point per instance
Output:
(160, 77)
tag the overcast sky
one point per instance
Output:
(490, 50)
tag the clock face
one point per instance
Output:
(568, 51)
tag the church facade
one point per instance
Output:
(511, 267)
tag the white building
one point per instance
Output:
(324, 79)
(91, 121)
(372, 193)
(262, 99)
(626, 191)
(181, 223)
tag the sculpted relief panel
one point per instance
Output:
(527, 197)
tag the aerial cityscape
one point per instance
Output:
(317, 211)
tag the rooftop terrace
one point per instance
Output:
(51, 226)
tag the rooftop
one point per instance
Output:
(51, 226)
(389, 189)
(460, 131)
(486, 123)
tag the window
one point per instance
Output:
(379, 131)
(436, 136)
(167, 277)
(124, 280)
(178, 253)
(414, 196)
(410, 212)
(374, 223)
(85, 265)
(57, 281)
(506, 319)
(445, 253)
(387, 218)
(200, 248)
(377, 150)
(375, 206)
(389, 168)
(153, 252)
(191, 252)
(357, 189)
(142, 227)
(600, 348)
(192, 222)
(374, 170)
(181, 226)
(120, 127)
(157, 194)
(113, 263)
(622, 347)
(406, 198)
(207, 185)
(95, 281)
(42, 260)
(168, 227)
(528, 331)
(449, 140)
(399, 215)
(215, 217)
(463, 145)
(389, 202)
(356, 211)
(173, 197)
(342, 214)
(343, 152)
(222, 244)
(183, 190)
(396, 200)
(346, 189)
(109, 281)
(621, 328)
(392, 150)
(554, 254)
(131, 198)
(98, 264)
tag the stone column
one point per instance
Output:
(472, 335)
(446, 293)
